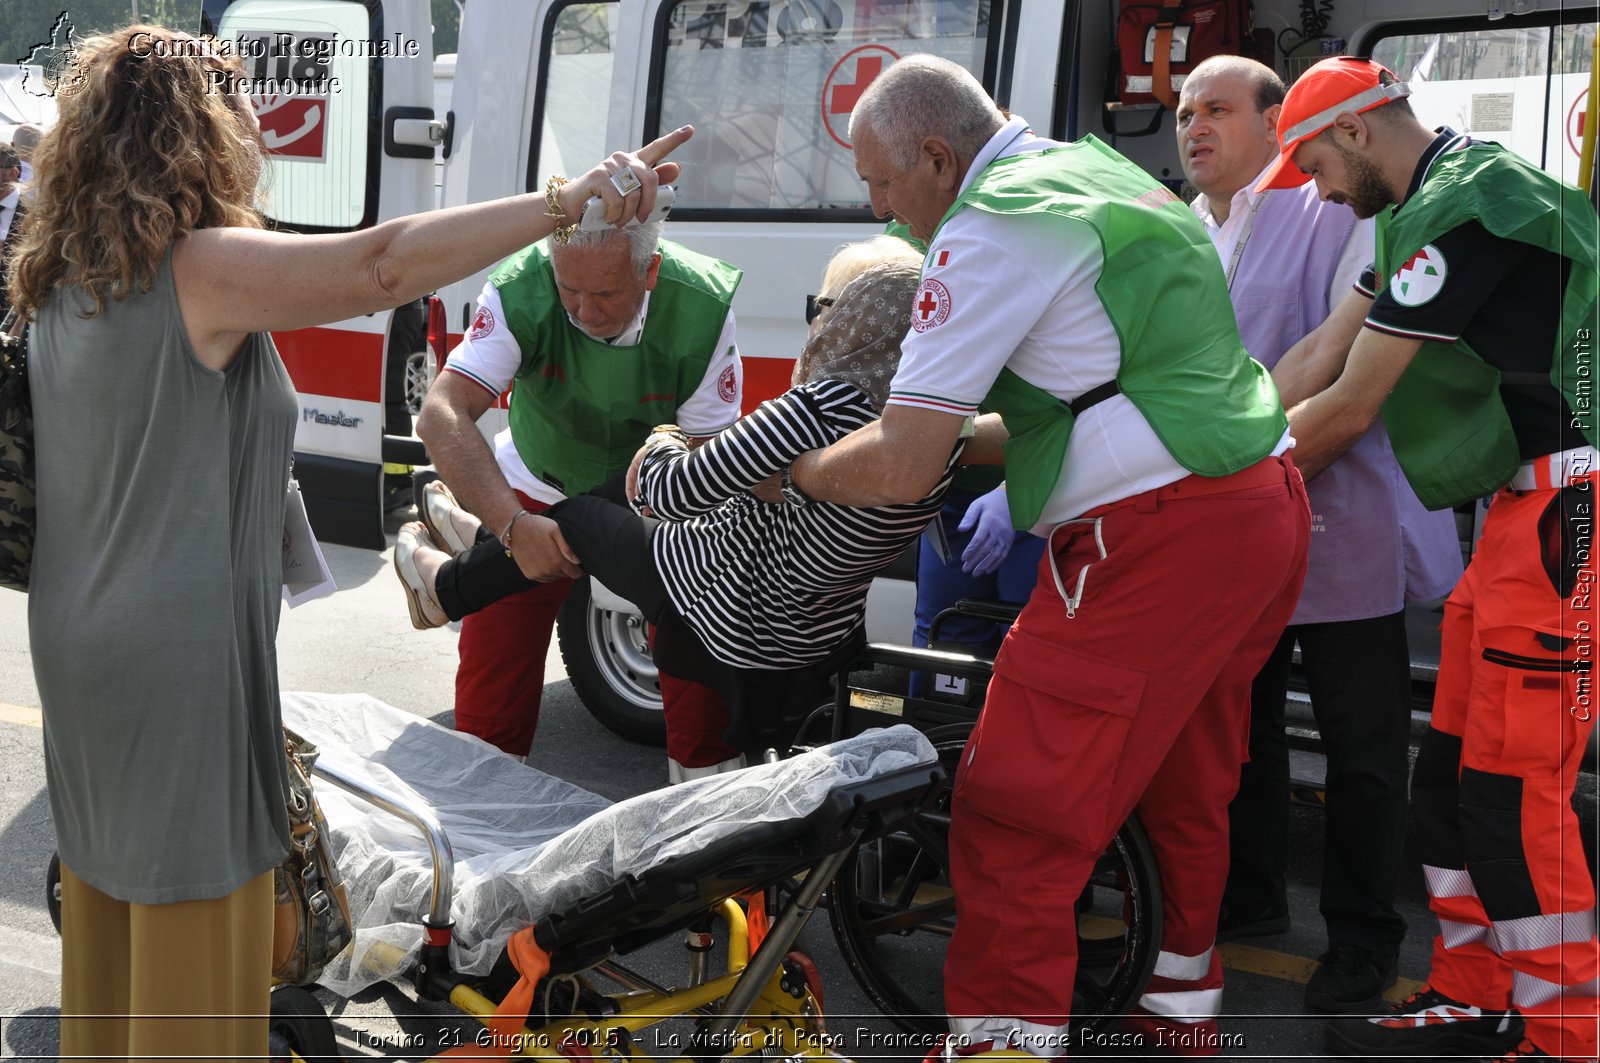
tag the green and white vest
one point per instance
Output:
(1183, 365)
(581, 408)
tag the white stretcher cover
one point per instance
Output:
(525, 843)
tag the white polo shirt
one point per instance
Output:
(1002, 292)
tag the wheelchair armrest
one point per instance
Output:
(989, 609)
(930, 660)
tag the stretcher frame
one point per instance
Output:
(769, 982)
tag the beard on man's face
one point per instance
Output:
(1369, 192)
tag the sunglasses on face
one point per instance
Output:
(814, 307)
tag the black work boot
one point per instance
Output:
(1351, 979)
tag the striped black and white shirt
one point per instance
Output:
(771, 585)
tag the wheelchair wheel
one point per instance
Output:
(299, 1027)
(893, 914)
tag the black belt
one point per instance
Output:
(1093, 397)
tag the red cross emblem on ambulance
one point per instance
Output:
(931, 306)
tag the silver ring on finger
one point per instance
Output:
(625, 181)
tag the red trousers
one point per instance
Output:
(500, 678)
(1501, 847)
(1140, 699)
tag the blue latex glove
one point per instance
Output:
(990, 514)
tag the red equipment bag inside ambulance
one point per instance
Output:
(1160, 42)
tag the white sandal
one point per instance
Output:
(426, 612)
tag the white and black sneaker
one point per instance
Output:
(1427, 1023)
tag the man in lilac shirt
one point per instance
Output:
(1289, 258)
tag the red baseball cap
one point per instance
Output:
(1344, 84)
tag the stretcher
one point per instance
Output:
(459, 861)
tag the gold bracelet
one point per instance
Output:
(505, 536)
(564, 229)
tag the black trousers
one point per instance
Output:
(1359, 676)
(613, 545)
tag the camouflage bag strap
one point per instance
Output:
(16, 457)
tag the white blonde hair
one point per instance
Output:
(852, 260)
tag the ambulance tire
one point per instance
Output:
(892, 915)
(607, 654)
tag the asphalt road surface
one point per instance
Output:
(360, 640)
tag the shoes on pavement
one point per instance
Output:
(451, 528)
(425, 610)
(1427, 1023)
(1350, 978)
(1233, 924)
(1525, 1049)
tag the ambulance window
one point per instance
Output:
(576, 95)
(313, 77)
(769, 84)
(1524, 86)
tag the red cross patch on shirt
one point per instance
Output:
(931, 306)
(482, 323)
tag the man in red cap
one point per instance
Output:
(1476, 345)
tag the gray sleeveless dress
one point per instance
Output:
(154, 599)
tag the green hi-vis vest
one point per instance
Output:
(1183, 365)
(581, 408)
(1449, 427)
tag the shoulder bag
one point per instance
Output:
(311, 917)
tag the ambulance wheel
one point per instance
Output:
(418, 378)
(297, 1024)
(52, 890)
(607, 654)
(893, 914)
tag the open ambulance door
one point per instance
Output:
(769, 183)
(344, 93)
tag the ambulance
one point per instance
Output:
(550, 86)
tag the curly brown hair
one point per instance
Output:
(150, 146)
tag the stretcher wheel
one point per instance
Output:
(52, 890)
(297, 1024)
(893, 914)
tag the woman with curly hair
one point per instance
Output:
(164, 425)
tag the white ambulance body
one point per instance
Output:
(550, 86)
